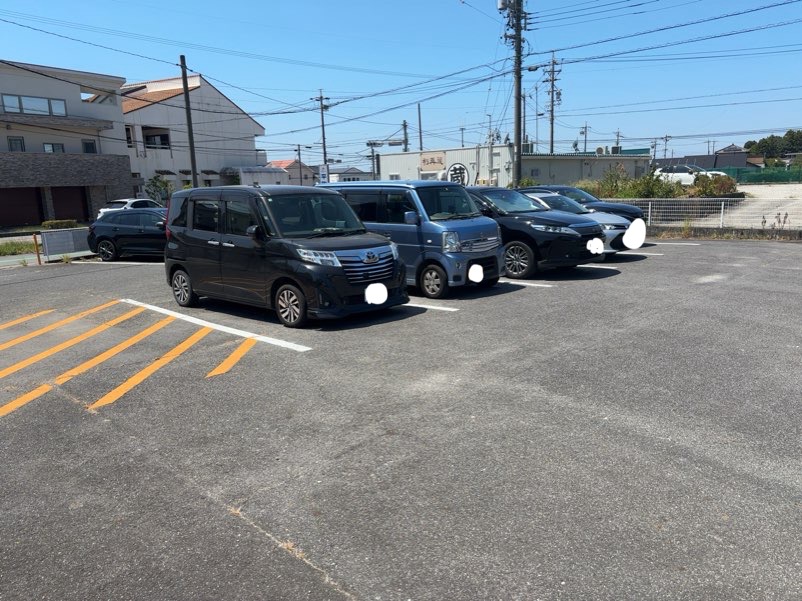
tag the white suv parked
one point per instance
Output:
(129, 203)
(684, 174)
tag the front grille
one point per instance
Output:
(480, 245)
(359, 272)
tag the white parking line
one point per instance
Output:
(531, 284)
(637, 252)
(429, 307)
(214, 326)
(676, 243)
(599, 267)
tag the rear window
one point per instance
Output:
(119, 204)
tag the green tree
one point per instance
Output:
(158, 188)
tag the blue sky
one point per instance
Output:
(703, 75)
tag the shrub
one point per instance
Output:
(718, 185)
(59, 224)
(8, 249)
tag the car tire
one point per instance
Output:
(519, 260)
(290, 304)
(183, 293)
(106, 250)
(433, 281)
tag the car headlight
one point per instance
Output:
(451, 242)
(321, 257)
(394, 248)
(554, 229)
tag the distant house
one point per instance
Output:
(158, 142)
(300, 174)
(732, 157)
(63, 154)
(348, 174)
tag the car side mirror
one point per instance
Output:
(486, 211)
(410, 218)
(160, 225)
(255, 233)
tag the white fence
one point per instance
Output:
(721, 212)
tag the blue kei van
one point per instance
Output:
(443, 239)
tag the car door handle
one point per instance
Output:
(213, 242)
(229, 244)
(387, 234)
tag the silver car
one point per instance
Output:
(129, 203)
(614, 226)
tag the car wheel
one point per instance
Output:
(488, 282)
(433, 282)
(519, 260)
(291, 306)
(107, 250)
(182, 289)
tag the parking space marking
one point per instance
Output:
(676, 243)
(24, 319)
(429, 307)
(220, 328)
(55, 325)
(68, 343)
(530, 284)
(24, 399)
(233, 358)
(636, 252)
(148, 371)
(599, 267)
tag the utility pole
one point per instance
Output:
(462, 137)
(406, 137)
(554, 94)
(665, 148)
(618, 137)
(515, 23)
(192, 163)
(584, 132)
(323, 107)
(420, 130)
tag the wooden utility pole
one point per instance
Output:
(192, 164)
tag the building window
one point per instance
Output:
(89, 146)
(395, 176)
(156, 137)
(53, 147)
(16, 144)
(34, 105)
(207, 183)
(129, 136)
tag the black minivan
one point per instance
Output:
(295, 249)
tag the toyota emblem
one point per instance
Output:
(370, 257)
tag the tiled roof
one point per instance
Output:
(283, 164)
(134, 103)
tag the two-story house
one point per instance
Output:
(157, 136)
(63, 153)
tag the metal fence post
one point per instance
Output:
(721, 223)
(649, 217)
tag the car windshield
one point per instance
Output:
(116, 204)
(447, 202)
(579, 195)
(313, 214)
(512, 201)
(558, 202)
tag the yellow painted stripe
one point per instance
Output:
(233, 358)
(24, 319)
(86, 365)
(145, 373)
(53, 326)
(105, 356)
(68, 343)
(24, 399)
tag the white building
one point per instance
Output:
(158, 140)
(492, 165)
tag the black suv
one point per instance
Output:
(299, 250)
(630, 212)
(131, 232)
(535, 237)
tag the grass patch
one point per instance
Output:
(16, 248)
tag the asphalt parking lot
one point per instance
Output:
(626, 430)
